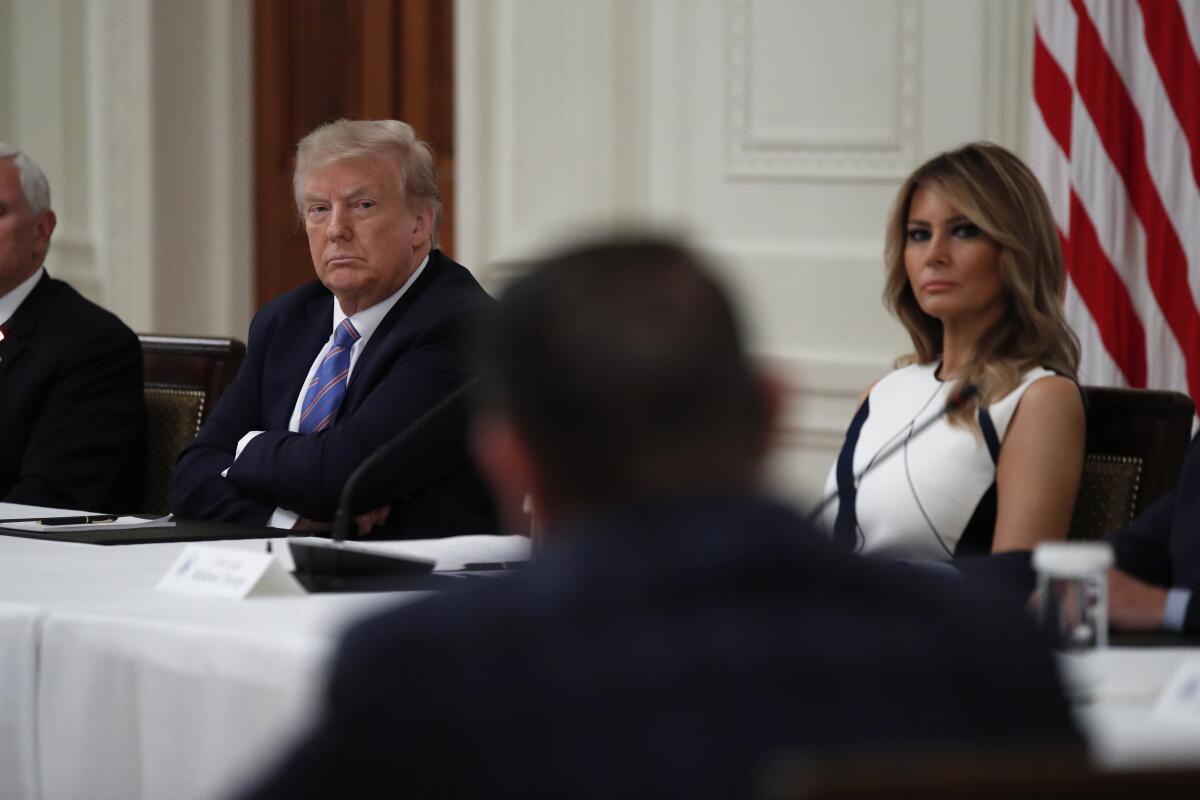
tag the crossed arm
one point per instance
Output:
(305, 472)
(1146, 577)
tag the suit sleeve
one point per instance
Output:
(1143, 549)
(306, 473)
(197, 490)
(90, 428)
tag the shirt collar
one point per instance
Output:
(12, 301)
(368, 319)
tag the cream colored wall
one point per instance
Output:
(772, 132)
(139, 112)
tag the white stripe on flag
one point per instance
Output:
(1103, 196)
(1168, 154)
(1191, 13)
(1050, 164)
(1095, 364)
(1057, 23)
(1162, 180)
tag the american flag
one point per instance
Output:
(1116, 143)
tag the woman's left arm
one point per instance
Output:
(1041, 460)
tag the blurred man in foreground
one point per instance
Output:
(679, 630)
(72, 424)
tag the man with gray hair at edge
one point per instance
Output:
(72, 421)
(340, 365)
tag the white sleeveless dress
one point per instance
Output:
(935, 498)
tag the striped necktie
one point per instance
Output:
(328, 386)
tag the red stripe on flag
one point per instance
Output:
(1052, 92)
(1106, 296)
(1171, 48)
(1120, 128)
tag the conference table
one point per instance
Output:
(112, 688)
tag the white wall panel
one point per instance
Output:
(773, 132)
(45, 52)
(538, 109)
(139, 112)
(789, 70)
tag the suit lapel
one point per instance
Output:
(18, 330)
(388, 336)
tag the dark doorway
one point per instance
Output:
(318, 60)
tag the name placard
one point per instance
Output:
(228, 573)
(1180, 700)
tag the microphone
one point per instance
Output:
(343, 520)
(321, 567)
(953, 403)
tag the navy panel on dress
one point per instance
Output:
(989, 434)
(845, 527)
(976, 539)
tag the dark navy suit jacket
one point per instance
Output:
(1162, 546)
(671, 649)
(72, 418)
(412, 361)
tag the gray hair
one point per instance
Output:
(34, 185)
(353, 139)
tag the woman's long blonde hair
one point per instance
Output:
(998, 193)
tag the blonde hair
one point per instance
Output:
(345, 139)
(999, 194)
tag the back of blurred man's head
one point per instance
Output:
(616, 371)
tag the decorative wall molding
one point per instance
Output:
(826, 389)
(538, 122)
(139, 113)
(44, 113)
(1008, 72)
(821, 395)
(229, 258)
(120, 154)
(809, 250)
(6, 71)
(660, 125)
(74, 261)
(875, 155)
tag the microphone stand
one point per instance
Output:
(322, 567)
(953, 403)
(343, 520)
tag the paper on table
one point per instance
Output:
(225, 572)
(118, 524)
(1180, 699)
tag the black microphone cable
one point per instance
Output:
(953, 403)
(343, 519)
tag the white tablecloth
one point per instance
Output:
(1118, 689)
(18, 687)
(110, 688)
